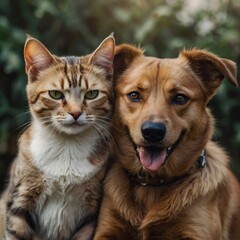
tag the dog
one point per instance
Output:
(168, 180)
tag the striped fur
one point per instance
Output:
(55, 181)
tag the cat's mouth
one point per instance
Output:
(74, 124)
(73, 127)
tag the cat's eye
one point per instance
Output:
(56, 94)
(91, 94)
(134, 96)
(180, 99)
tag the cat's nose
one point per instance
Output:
(75, 115)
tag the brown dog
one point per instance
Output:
(168, 180)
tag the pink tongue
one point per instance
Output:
(152, 158)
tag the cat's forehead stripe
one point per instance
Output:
(62, 83)
(80, 80)
(74, 76)
(86, 83)
(81, 67)
(66, 73)
(74, 72)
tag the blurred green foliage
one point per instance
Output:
(76, 27)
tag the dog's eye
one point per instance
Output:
(134, 96)
(180, 99)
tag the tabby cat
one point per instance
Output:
(55, 181)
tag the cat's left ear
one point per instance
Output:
(37, 57)
(103, 56)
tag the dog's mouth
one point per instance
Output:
(153, 158)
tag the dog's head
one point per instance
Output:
(161, 103)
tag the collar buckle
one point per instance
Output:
(202, 160)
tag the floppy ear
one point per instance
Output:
(211, 69)
(104, 54)
(37, 57)
(125, 54)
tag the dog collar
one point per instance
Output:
(145, 179)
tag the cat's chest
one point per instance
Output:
(63, 205)
(59, 158)
(71, 190)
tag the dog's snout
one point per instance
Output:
(153, 131)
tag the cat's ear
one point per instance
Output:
(37, 57)
(103, 56)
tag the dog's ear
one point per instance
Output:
(125, 54)
(211, 69)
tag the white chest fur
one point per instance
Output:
(61, 212)
(61, 156)
(66, 167)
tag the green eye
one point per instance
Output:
(56, 94)
(91, 94)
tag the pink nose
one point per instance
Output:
(75, 115)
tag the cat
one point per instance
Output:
(55, 183)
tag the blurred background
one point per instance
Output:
(161, 27)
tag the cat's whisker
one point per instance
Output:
(28, 123)
(103, 128)
(53, 130)
(108, 132)
(24, 127)
(47, 122)
(104, 117)
(23, 113)
(110, 123)
(101, 134)
(96, 118)
(98, 121)
(45, 118)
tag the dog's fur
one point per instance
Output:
(180, 198)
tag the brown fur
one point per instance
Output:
(193, 203)
(55, 184)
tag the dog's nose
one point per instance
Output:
(153, 131)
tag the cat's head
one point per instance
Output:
(70, 95)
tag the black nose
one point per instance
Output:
(153, 131)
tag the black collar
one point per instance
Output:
(146, 179)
